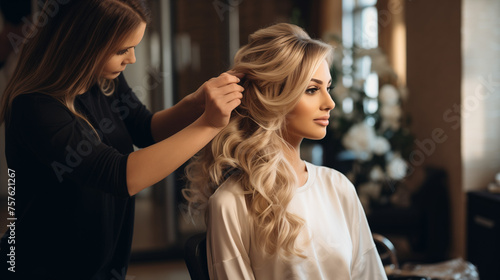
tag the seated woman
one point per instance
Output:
(271, 215)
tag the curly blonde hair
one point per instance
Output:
(278, 63)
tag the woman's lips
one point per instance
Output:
(322, 121)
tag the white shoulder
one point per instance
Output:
(335, 186)
(228, 197)
(228, 233)
(334, 178)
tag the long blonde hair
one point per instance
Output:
(65, 55)
(278, 63)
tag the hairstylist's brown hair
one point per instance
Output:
(66, 56)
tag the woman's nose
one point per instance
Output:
(328, 103)
(131, 57)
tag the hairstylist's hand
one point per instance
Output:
(197, 98)
(221, 95)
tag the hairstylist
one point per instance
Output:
(71, 123)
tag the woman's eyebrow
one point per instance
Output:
(320, 81)
(126, 48)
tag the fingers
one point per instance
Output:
(221, 102)
(234, 103)
(234, 73)
(226, 96)
(223, 79)
(231, 88)
(222, 95)
(218, 110)
(223, 91)
(232, 96)
(228, 102)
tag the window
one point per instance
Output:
(360, 32)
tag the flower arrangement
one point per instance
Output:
(369, 126)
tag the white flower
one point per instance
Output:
(377, 174)
(381, 146)
(360, 139)
(390, 112)
(396, 168)
(391, 115)
(388, 95)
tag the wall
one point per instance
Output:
(434, 82)
(257, 14)
(200, 43)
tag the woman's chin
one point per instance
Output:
(111, 75)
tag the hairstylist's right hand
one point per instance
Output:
(222, 94)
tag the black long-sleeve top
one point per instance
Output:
(74, 214)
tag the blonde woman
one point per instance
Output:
(271, 215)
(71, 122)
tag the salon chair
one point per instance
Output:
(195, 255)
(389, 259)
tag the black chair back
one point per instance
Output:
(195, 255)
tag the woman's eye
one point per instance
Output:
(122, 52)
(330, 88)
(311, 90)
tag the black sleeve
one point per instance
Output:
(56, 138)
(135, 115)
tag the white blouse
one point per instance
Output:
(336, 237)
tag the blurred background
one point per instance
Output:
(415, 125)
